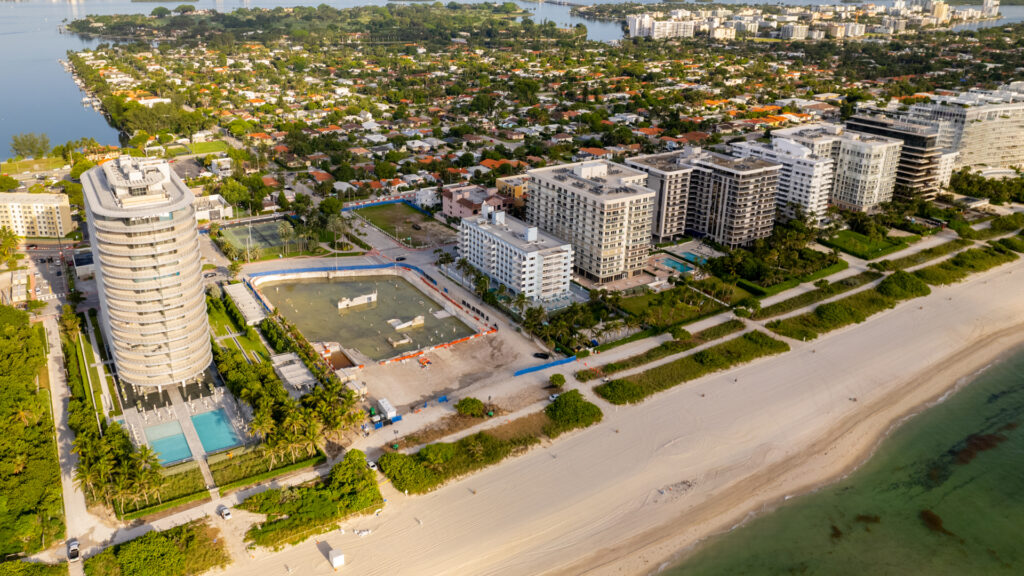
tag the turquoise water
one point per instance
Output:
(168, 442)
(215, 431)
(944, 495)
(676, 265)
(691, 257)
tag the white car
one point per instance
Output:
(371, 465)
(553, 397)
(224, 512)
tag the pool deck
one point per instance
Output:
(181, 411)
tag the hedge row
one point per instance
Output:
(852, 309)
(570, 411)
(922, 256)
(813, 297)
(737, 351)
(663, 350)
(963, 264)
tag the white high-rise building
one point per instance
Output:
(669, 176)
(985, 126)
(794, 32)
(805, 180)
(511, 252)
(864, 164)
(990, 8)
(602, 208)
(145, 245)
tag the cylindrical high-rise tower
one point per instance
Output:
(145, 244)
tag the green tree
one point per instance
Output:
(470, 406)
(7, 183)
(185, 8)
(160, 12)
(234, 269)
(557, 380)
(70, 323)
(30, 145)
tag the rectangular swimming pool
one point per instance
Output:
(676, 265)
(215, 431)
(168, 442)
(691, 257)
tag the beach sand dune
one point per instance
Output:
(625, 496)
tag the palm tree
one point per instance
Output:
(286, 232)
(337, 225)
(87, 476)
(263, 422)
(520, 302)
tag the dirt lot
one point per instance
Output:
(402, 221)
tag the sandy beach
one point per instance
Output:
(624, 497)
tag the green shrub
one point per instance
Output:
(434, 464)
(833, 315)
(580, 355)
(725, 355)
(822, 293)
(557, 380)
(922, 256)
(960, 266)
(470, 406)
(186, 550)
(1015, 243)
(19, 568)
(662, 350)
(569, 412)
(902, 286)
(294, 514)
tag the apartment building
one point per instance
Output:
(985, 126)
(918, 172)
(36, 215)
(522, 257)
(794, 32)
(668, 174)
(805, 180)
(732, 200)
(602, 208)
(864, 164)
(146, 250)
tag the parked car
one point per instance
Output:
(542, 355)
(553, 397)
(224, 512)
(73, 553)
(209, 275)
(371, 465)
(400, 259)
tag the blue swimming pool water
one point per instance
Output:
(691, 257)
(168, 442)
(676, 265)
(215, 430)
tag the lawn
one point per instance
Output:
(399, 220)
(923, 256)
(817, 295)
(40, 165)
(176, 150)
(208, 147)
(219, 322)
(866, 248)
(671, 307)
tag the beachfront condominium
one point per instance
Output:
(602, 208)
(732, 200)
(36, 215)
(148, 272)
(919, 172)
(805, 180)
(668, 174)
(985, 126)
(511, 252)
(864, 164)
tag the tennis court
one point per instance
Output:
(264, 235)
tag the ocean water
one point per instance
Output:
(943, 495)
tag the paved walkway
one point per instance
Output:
(181, 412)
(97, 361)
(80, 523)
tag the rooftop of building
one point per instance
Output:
(664, 162)
(514, 231)
(53, 199)
(131, 187)
(601, 180)
(894, 124)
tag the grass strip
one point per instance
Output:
(740, 350)
(663, 350)
(922, 256)
(965, 263)
(262, 476)
(150, 510)
(813, 297)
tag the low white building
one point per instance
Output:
(213, 207)
(522, 257)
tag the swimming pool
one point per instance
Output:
(168, 442)
(691, 257)
(215, 431)
(676, 265)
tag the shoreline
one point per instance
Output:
(858, 436)
(969, 373)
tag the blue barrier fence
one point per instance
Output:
(544, 366)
